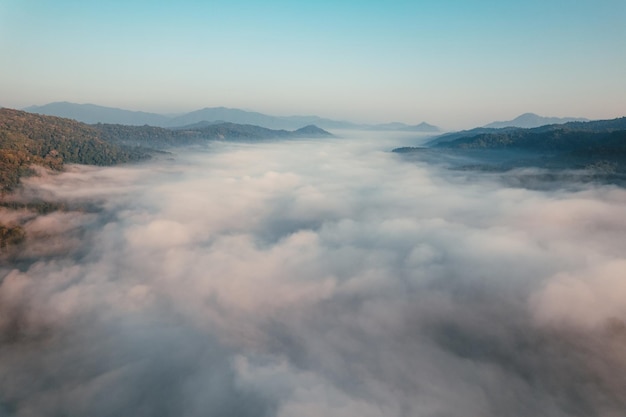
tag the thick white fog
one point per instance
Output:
(313, 278)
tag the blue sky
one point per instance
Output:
(449, 62)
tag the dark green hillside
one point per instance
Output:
(30, 139)
(596, 126)
(237, 131)
(312, 131)
(147, 136)
(591, 126)
(598, 148)
(563, 140)
(600, 137)
(10, 235)
(158, 137)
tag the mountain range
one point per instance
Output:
(607, 136)
(28, 139)
(91, 113)
(590, 125)
(597, 148)
(530, 120)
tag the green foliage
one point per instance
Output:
(28, 139)
(556, 140)
(38, 206)
(157, 137)
(146, 136)
(11, 235)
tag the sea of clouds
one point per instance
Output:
(313, 278)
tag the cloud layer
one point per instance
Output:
(313, 278)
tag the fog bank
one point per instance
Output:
(313, 278)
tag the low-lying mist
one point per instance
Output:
(313, 278)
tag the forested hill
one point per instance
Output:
(605, 136)
(158, 137)
(27, 139)
(601, 137)
(516, 133)
(598, 147)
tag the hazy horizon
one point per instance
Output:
(356, 123)
(452, 64)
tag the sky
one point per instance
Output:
(451, 63)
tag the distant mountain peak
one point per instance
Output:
(312, 130)
(427, 127)
(399, 126)
(530, 120)
(92, 114)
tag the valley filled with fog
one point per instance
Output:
(326, 277)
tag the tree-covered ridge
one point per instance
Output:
(562, 140)
(597, 126)
(10, 235)
(239, 131)
(30, 139)
(158, 137)
(599, 136)
(64, 139)
(597, 147)
(145, 136)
